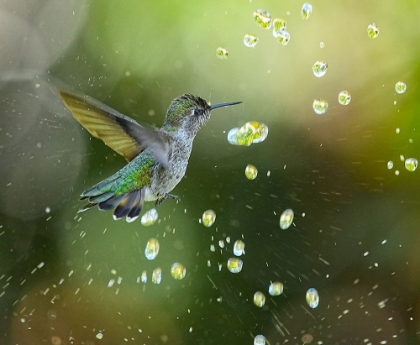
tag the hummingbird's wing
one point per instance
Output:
(124, 135)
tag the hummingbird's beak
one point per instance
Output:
(221, 105)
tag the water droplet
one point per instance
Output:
(307, 338)
(344, 97)
(400, 87)
(208, 218)
(306, 10)
(411, 164)
(250, 40)
(372, 30)
(321, 45)
(259, 299)
(239, 248)
(397, 172)
(259, 340)
(397, 130)
(231, 137)
(150, 217)
(234, 265)
(99, 336)
(245, 134)
(56, 340)
(320, 106)
(47, 210)
(251, 172)
(152, 249)
(144, 277)
(286, 218)
(262, 18)
(278, 25)
(156, 276)
(275, 289)
(250, 133)
(261, 132)
(390, 165)
(312, 298)
(282, 37)
(37, 85)
(178, 271)
(319, 68)
(222, 53)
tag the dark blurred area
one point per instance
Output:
(69, 278)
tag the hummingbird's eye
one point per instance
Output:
(197, 111)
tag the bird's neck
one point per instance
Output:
(182, 133)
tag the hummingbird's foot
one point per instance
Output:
(172, 196)
(164, 197)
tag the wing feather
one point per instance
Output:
(124, 135)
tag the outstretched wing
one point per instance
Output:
(124, 135)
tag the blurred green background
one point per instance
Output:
(355, 232)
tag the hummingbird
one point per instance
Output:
(157, 157)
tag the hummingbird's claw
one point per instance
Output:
(164, 197)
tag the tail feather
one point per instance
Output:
(103, 195)
(136, 208)
(100, 188)
(111, 202)
(86, 207)
(101, 198)
(126, 204)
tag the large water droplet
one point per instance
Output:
(150, 217)
(250, 133)
(261, 132)
(222, 53)
(319, 68)
(312, 298)
(390, 165)
(306, 10)
(344, 97)
(275, 289)
(282, 37)
(178, 271)
(278, 25)
(208, 218)
(372, 30)
(251, 172)
(259, 299)
(320, 106)
(239, 248)
(234, 265)
(411, 164)
(152, 249)
(286, 218)
(400, 87)
(259, 340)
(250, 40)
(157, 276)
(231, 137)
(262, 18)
(144, 277)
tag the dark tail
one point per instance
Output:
(126, 205)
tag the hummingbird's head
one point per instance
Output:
(190, 113)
